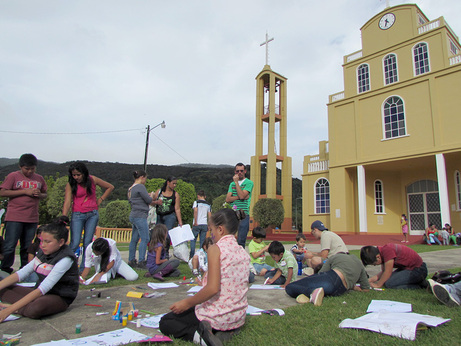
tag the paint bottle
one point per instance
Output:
(124, 321)
(78, 328)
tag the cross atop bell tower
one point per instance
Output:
(266, 42)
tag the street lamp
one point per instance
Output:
(149, 129)
(297, 212)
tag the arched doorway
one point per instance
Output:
(423, 205)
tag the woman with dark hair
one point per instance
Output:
(140, 200)
(168, 206)
(81, 193)
(107, 261)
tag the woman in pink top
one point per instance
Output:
(220, 306)
(81, 193)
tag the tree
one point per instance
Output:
(55, 199)
(269, 212)
(117, 214)
(186, 192)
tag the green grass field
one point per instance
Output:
(310, 325)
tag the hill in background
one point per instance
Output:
(213, 179)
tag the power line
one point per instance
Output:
(161, 140)
(67, 133)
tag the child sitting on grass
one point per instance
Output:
(298, 249)
(285, 264)
(107, 261)
(158, 266)
(199, 262)
(57, 269)
(257, 249)
(218, 310)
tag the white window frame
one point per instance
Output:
(457, 177)
(379, 201)
(315, 197)
(367, 85)
(396, 76)
(454, 48)
(384, 122)
(428, 59)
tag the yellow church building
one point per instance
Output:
(394, 132)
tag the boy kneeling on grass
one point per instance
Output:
(411, 271)
(285, 263)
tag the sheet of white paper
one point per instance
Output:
(179, 234)
(402, 325)
(252, 310)
(195, 289)
(102, 280)
(389, 306)
(115, 337)
(156, 286)
(265, 287)
(151, 322)
(11, 318)
(26, 284)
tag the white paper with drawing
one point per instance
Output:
(389, 306)
(402, 325)
(179, 235)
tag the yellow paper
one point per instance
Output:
(133, 294)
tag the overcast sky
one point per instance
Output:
(83, 67)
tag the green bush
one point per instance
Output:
(218, 203)
(186, 192)
(116, 215)
(269, 212)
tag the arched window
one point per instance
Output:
(458, 190)
(390, 69)
(394, 118)
(363, 78)
(379, 197)
(322, 196)
(421, 58)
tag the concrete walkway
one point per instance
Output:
(62, 326)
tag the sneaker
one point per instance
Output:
(308, 271)
(133, 263)
(317, 296)
(147, 275)
(302, 299)
(142, 265)
(158, 276)
(442, 294)
(206, 334)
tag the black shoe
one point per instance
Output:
(206, 333)
(133, 263)
(142, 265)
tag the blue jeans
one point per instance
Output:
(330, 281)
(14, 231)
(280, 280)
(197, 230)
(79, 222)
(244, 227)
(140, 230)
(168, 220)
(409, 279)
(258, 267)
(433, 239)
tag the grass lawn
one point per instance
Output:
(310, 325)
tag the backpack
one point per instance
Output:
(445, 277)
